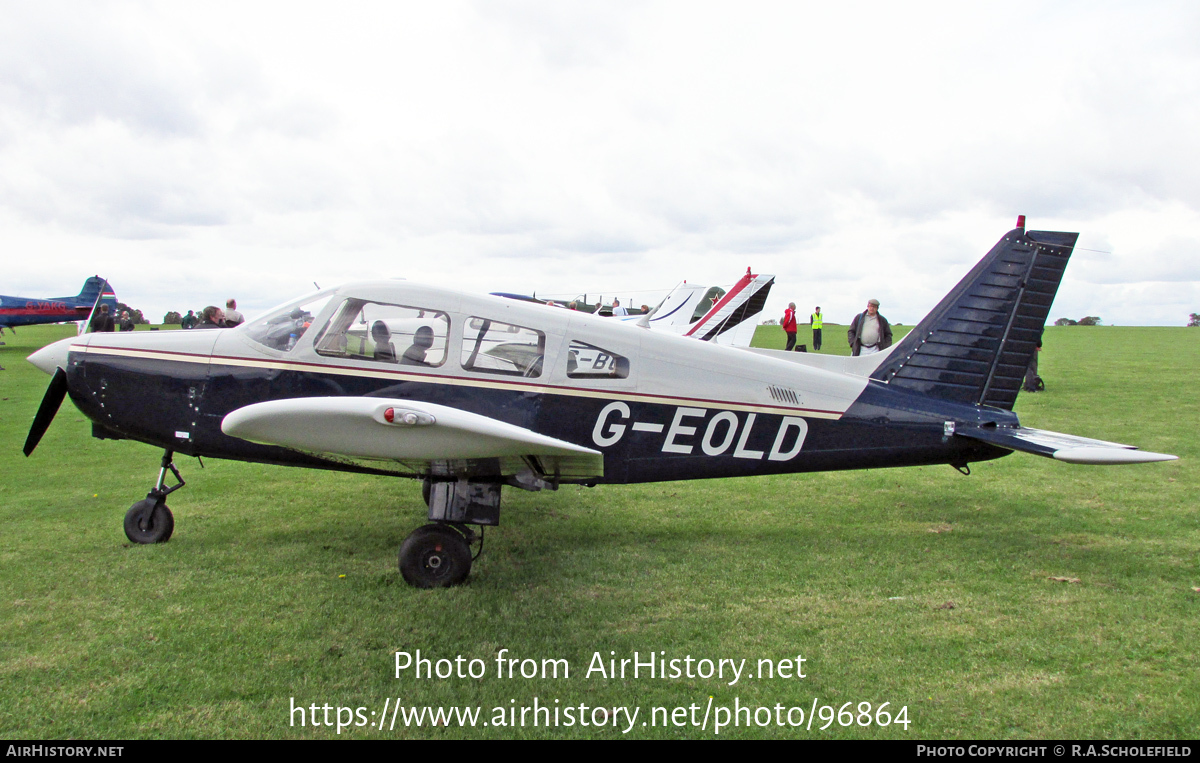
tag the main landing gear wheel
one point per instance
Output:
(149, 521)
(435, 556)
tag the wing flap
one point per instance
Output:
(1063, 447)
(404, 431)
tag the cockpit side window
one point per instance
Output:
(407, 336)
(282, 328)
(586, 361)
(710, 298)
(501, 348)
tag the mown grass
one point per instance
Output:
(919, 587)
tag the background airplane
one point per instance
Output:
(709, 313)
(27, 311)
(471, 393)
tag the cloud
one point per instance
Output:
(854, 150)
(581, 33)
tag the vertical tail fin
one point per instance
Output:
(96, 289)
(712, 314)
(975, 345)
(734, 312)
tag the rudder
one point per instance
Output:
(975, 345)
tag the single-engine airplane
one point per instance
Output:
(471, 393)
(24, 311)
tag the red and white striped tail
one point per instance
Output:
(735, 310)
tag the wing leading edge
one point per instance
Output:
(406, 431)
(1063, 447)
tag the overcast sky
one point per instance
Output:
(191, 152)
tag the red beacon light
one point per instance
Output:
(405, 417)
(1021, 222)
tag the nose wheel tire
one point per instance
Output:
(435, 556)
(149, 521)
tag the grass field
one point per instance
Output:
(1030, 599)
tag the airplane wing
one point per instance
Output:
(407, 431)
(1063, 447)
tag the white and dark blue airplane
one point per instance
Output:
(30, 311)
(473, 393)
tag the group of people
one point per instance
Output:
(869, 332)
(213, 317)
(103, 321)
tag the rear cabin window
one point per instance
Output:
(586, 361)
(501, 348)
(399, 334)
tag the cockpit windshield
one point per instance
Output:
(710, 298)
(282, 327)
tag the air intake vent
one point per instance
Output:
(783, 395)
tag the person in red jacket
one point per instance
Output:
(789, 325)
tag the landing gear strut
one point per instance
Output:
(149, 520)
(438, 555)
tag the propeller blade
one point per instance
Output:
(50, 403)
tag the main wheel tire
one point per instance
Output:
(149, 521)
(435, 556)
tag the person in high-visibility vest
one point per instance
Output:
(815, 318)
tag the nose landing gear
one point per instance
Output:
(149, 520)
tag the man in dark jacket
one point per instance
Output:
(870, 332)
(103, 320)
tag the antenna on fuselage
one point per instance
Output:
(88, 323)
(644, 321)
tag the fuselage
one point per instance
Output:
(21, 311)
(659, 407)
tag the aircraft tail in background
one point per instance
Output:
(32, 311)
(711, 313)
(95, 289)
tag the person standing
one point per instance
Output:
(788, 322)
(870, 332)
(817, 324)
(232, 316)
(103, 320)
(213, 317)
(1033, 382)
